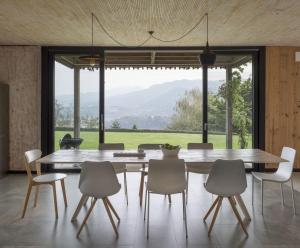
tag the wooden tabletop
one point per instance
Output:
(79, 156)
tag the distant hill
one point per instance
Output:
(145, 108)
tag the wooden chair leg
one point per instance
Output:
(26, 199)
(87, 216)
(142, 187)
(55, 199)
(110, 217)
(112, 208)
(64, 191)
(215, 215)
(86, 200)
(237, 214)
(125, 187)
(211, 208)
(36, 196)
(79, 206)
(243, 207)
(170, 200)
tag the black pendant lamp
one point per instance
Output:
(208, 57)
(91, 59)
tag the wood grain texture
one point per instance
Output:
(68, 22)
(20, 68)
(282, 100)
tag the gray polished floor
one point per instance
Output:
(278, 228)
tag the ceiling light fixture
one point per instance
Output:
(208, 57)
(92, 59)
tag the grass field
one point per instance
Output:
(132, 139)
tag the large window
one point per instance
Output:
(153, 106)
(162, 96)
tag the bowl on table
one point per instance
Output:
(170, 150)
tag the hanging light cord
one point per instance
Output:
(151, 33)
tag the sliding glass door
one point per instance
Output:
(230, 102)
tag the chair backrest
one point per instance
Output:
(204, 146)
(149, 146)
(285, 169)
(166, 176)
(31, 156)
(98, 179)
(227, 178)
(111, 146)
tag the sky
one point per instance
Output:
(124, 81)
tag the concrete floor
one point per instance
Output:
(278, 228)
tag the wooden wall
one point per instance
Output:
(282, 100)
(20, 68)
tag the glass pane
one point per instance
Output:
(89, 108)
(230, 94)
(153, 106)
(64, 102)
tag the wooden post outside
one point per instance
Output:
(228, 111)
(76, 102)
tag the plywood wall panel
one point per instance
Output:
(20, 69)
(282, 100)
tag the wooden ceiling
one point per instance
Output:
(68, 22)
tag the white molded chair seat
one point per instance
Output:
(97, 180)
(281, 176)
(271, 177)
(198, 168)
(47, 178)
(118, 167)
(227, 178)
(144, 169)
(166, 176)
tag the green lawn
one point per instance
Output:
(132, 139)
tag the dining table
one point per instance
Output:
(196, 156)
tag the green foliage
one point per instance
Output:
(188, 109)
(134, 127)
(188, 112)
(115, 124)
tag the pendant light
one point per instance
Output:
(208, 57)
(92, 59)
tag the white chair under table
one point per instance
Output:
(198, 168)
(97, 180)
(31, 157)
(118, 167)
(281, 176)
(227, 178)
(165, 177)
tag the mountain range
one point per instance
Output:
(146, 108)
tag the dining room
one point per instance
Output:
(149, 123)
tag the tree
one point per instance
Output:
(115, 124)
(134, 127)
(240, 93)
(188, 110)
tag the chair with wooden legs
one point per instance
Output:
(97, 180)
(118, 167)
(31, 157)
(281, 176)
(144, 169)
(226, 179)
(166, 177)
(198, 168)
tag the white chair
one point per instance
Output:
(165, 177)
(31, 157)
(198, 168)
(227, 178)
(118, 167)
(97, 180)
(144, 170)
(281, 176)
